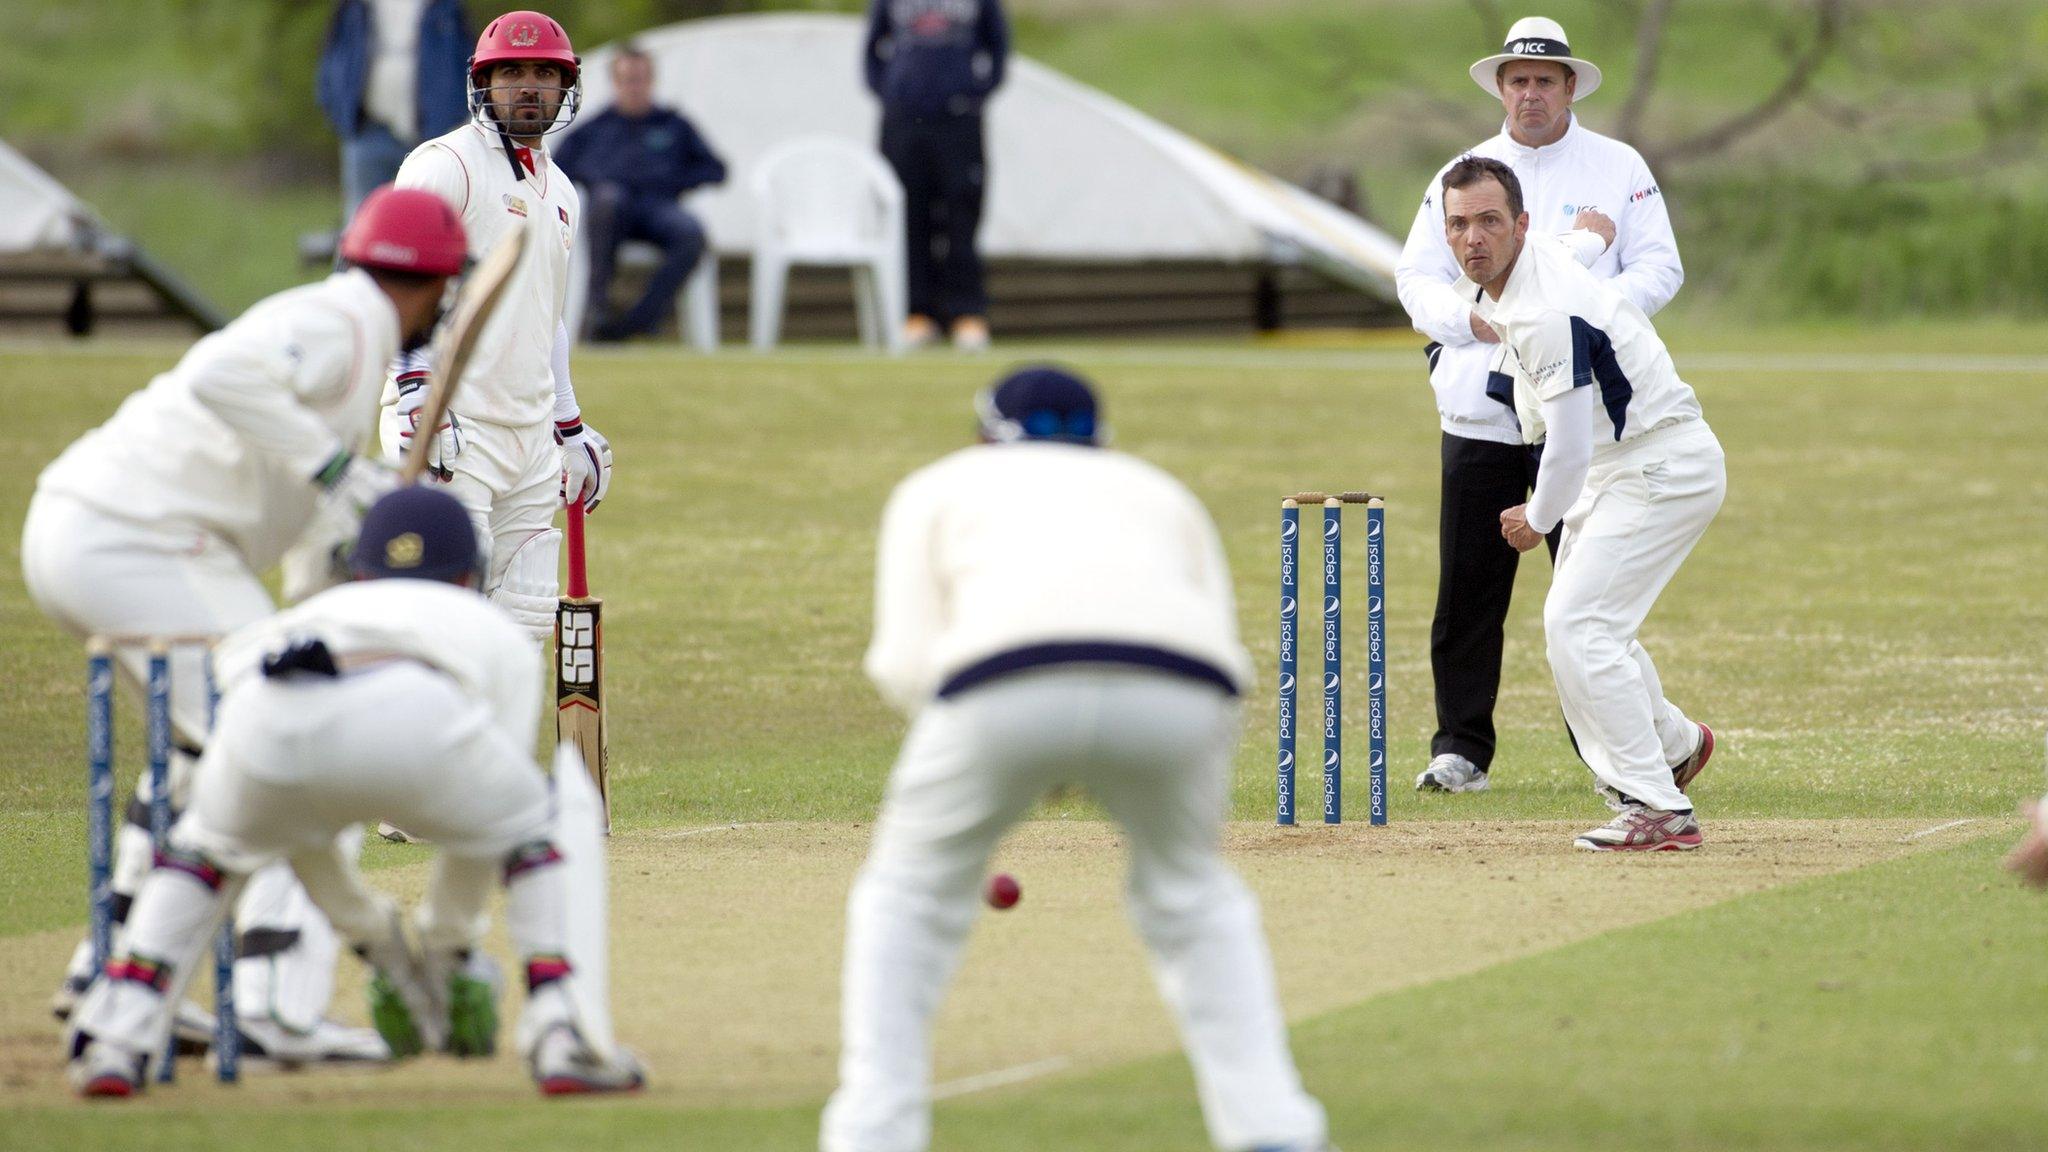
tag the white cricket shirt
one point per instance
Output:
(391, 91)
(230, 439)
(1582, 170)
(1562, 328)
(453, 630)
(1003, 546)
(511, 378)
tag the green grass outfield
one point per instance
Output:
(1863, 626)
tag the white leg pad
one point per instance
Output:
(531, 583)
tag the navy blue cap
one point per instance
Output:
(420, 533)
(1039, 402)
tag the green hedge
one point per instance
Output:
(1799, 247)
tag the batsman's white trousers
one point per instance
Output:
(508, 479)
(1155, 750)
(95, 572)
(1645, 504)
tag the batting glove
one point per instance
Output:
(586, 463)
(412, 396)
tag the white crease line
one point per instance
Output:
(712, 828)
(1941, 828)
(1000, 1078)
(1380, 359)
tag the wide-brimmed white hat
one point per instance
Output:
(1536, 38)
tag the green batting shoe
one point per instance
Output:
(393, 1020)
(473, 1007)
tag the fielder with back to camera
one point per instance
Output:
(162, 522)
(402, 694)
(515, 444)
(1632, 471)
(1051, 612)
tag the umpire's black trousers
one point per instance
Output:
(1475, 581)
(940, 163)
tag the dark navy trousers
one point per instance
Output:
(940, 162)
(613, 215)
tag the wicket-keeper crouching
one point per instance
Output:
(405, 695)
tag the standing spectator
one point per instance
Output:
(933, 64)
(1571, 178)
(635, 160)
(391, 75)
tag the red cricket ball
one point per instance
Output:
(1002, 891)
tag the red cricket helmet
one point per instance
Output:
(526, 35)
(406, 230)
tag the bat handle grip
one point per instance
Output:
(579, 575)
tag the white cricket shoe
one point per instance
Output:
(1451, 772)
(265, 1042)
(564, 1066)
(1638, 828)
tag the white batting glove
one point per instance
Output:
(586, 463)
(412, 396)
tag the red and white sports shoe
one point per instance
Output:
(102, 1070)
(1640, 829)
(1686, 770)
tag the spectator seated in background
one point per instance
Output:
(635, 161)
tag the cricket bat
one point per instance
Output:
(482, 288)
(579, 668)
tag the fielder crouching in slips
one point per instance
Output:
(1631, 470)
(402, 694)
(163, 520)
(1051, 612)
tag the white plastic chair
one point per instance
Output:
(696, 303)
(826, 202)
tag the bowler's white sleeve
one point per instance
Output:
(434, 167)
(256, 388)
(1650, 269)
(566, 409)
(1585, 245)
(909, 607)
(1567, 454)
(1424, 275)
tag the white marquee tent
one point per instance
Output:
(41, 214)
(1075, 176)
(59, 261)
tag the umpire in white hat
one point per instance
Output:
(1572, 179)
